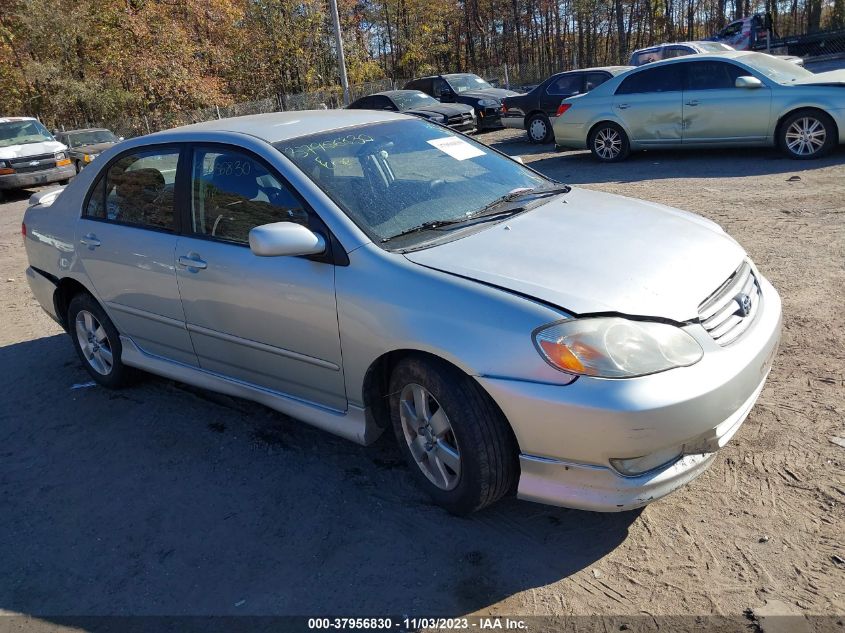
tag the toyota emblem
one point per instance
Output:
(744, 302)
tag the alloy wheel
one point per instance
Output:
(429, 436)
(94, 343)
(608, 143)
(806, 136)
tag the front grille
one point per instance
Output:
(730, 311)
(458, 119)
(24, 165)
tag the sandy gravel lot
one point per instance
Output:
(163, 499)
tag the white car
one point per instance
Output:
(30, 156)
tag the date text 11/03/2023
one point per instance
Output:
(417, 623)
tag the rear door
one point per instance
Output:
(716, 111)
(269, 321)
(648, 102)
(126, 240)
(558, 89)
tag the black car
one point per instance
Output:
(469, 89)
(85, 145)
(533, 111)
(456, 115)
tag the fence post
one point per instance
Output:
(507, 80)
(147, 123)
(217, 110)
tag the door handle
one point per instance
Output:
(192, 261)
(692, 103)
(622, 106)
(90, 241)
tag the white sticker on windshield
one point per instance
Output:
(456, 147)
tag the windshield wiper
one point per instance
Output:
(431, 225)
(518, 194)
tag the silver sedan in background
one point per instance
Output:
(732, 99)
(363, 270)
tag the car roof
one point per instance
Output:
(390, 93)
(613, 70)
(13, 119)
(685, 59)
(87, 129)
(281, 126)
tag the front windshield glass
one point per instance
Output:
(22, 133)
(462, 83)
(411, 100)
(393, 176)
(775, 68)
(78, 139)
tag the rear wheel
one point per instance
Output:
(609, 143)
(97, 341)
(454, 438)
(807, 134)
(539, 129)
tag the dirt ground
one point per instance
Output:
(163, 499)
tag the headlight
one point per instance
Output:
(3, 164)
(487, 103)
(613, 347)
(60, 156)
(89, 157)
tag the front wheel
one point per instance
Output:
(454, 438)
(807, 134)
(539, 129)
(609, 143)
(96, 341)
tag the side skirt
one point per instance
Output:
(351, 424)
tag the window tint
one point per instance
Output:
(731, 29)
(677, 51)
(439, 86)
(382, 103)
(566, 85)
(233, 193)
(364, 103)
(646, 57)
(594, 79)
(661, 79)
(138, 189)
(712, 76)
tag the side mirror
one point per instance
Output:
(285, 239)
(447, 95)
(748, 82)
(120, 138)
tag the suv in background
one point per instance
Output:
(30, 156)
(679, 49)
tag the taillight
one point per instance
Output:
(23, 230)
(563, 107)
(504, 108)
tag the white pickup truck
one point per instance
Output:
(30, 156)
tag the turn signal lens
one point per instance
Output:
(563, 107)
(613, 347)
(5, 171)
(63, 162)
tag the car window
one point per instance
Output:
(594, 79)
(712, 75)
(731, 29)
(646, 57)
(438, 86)
(382, 103)
(660, 79)
(564, 86)
(138, 189)
(364, 103)
(232, 193)
(677, 51)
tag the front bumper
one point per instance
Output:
(514, 122)
(569, 433)
(37, 178)
(489, 118)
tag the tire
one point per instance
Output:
(609, 143)
(78, 167)
(465, 456)
(807, 134)
(539, 129)
(89, 325)
(64, 182)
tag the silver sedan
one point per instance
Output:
(361, 271)
(732, 99)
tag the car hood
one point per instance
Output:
(449, 109)
(31, 149)
(830, 77)
(589, 252)
(94, 148)
(489, 93)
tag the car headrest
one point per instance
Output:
(146, 183)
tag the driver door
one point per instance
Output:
(268, 321)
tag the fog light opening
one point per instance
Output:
(636, 466)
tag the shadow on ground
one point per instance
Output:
(578, 167)
(161, 499)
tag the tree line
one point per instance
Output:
(95, 60)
